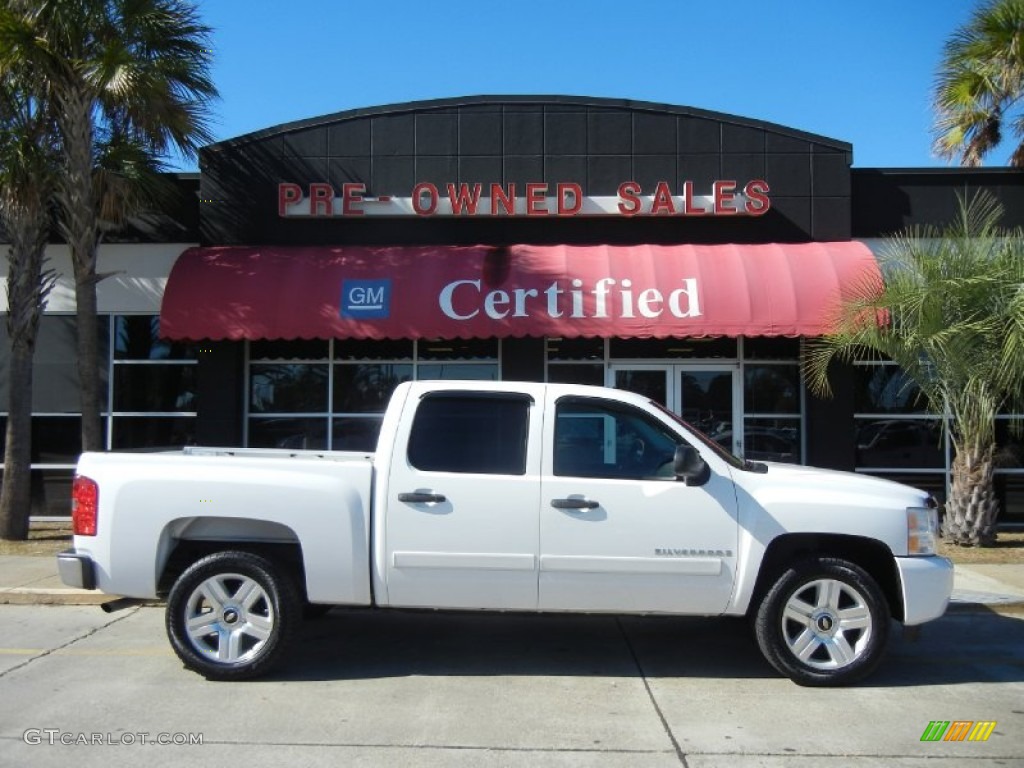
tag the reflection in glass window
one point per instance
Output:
(637, 349)
(650, 384)
(575, 349)
(458, 349)
(1009, 444)
(56, 439)
(885, 389)
(288, 388)
(576, 374)
(771, 348)
(153, 432)
(137, 337)
(294, 434)
(169, 388)
(294, 349)
(900, 443)
(355, 433)
(772, 440)
(476, 372)
(771, 388)
(367, 387)
(373, 349)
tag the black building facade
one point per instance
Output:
(509, 188)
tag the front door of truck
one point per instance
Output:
(462, 499)
(618, 532)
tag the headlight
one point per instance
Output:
(922, 531)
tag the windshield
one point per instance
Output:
(727, 456)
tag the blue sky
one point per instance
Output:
(860, 72)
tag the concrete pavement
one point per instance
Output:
(34, 581)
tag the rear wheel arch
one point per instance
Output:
(185, 541)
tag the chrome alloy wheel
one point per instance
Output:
(229, 618)
(827, 624)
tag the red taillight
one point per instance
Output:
(85, 499)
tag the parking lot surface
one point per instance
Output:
(80, 687)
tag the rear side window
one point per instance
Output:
(470, 433)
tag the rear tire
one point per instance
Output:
(825, 622)
(231, 615)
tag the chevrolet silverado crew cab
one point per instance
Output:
(509, 497)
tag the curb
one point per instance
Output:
(1010, 607)
(29, 596)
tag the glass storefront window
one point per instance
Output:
(575, 349)
(294, 434)
(355, 433)
(771, 348)
(385, 349)
(297, 349)
(771, 388)
(289, 406)
(576, 374)
(366, 387)
(137, 337)
(772, 440)
(885, 389)
(168, 388)
(153, 432)
(898, 443)
(458, 349)
(294, 388)
(662, 349)
(1009, 444)
(457, 371)
(56, 439)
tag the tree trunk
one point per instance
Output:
(15, 496)
(972, 506)
(27, 288)
(89, 363)
(79, 226)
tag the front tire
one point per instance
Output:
(230, 615)
(824, 622)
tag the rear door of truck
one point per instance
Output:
(462, 502)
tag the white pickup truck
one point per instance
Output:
(509, 497)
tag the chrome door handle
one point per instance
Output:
(574, 504)
(418, 497)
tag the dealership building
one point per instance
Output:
(311, 267)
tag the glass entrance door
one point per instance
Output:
(708, 396)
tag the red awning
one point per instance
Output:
(521, 290)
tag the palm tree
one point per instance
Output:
(980, 82)
(951, 315)
(137, 70)
(27, 178)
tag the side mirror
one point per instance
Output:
(689, 466)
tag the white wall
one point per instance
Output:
(137, 276)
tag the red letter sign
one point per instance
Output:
(287, 194)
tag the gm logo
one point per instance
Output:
(366, 299)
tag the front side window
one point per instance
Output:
(598, 438)
(470, 433)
